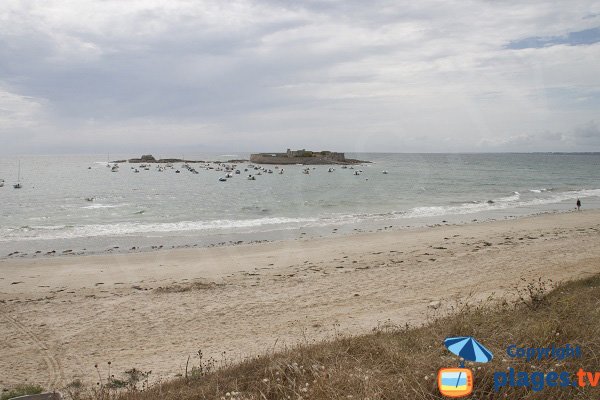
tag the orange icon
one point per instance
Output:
(455, 382)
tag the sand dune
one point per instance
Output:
(61, 316)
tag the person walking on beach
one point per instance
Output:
(578, 204)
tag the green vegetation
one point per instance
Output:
(21, 390)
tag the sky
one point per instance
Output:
(139, 76)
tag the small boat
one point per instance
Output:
(89, 199)
(1, 182)
(18, 184)
(330, 170)
(356, 173)
(222, 179)
(384, 172)
(251, 178)
(177, 171)
(237, 172)
(229, 175)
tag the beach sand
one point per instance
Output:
(61, 316)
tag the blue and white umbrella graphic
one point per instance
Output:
(468, 348)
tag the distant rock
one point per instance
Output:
(146, 158)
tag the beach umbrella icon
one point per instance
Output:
(468, 348)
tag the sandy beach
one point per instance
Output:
(61, 316)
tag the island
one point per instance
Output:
(149, 159)
(303, 157)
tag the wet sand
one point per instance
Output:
(62, 315)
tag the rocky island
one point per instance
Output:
(303, 157)
(149, 159)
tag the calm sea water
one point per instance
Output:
(153, 208)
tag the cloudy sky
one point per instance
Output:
(96, 76)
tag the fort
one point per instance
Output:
(303, 157)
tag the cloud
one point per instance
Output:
(373, 76)
(584, 137)
(586, 36)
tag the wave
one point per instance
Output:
(515, 200)
(95, 206)
(132, 228)
(512, 201)
(541, 190)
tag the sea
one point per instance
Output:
(52, 213)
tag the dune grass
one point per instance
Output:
(21, 390)
(402, 362)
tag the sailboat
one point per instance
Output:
(18, 184)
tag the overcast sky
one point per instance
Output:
(96, 76)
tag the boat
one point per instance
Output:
(18, 184)
(237, 172)
(1, 182)
(384, 172)
(89, 199)
(115, 168)
(222, 179)
(251, 178)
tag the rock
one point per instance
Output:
(434, 304)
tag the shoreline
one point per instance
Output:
(151, 310)
(70, 257)
(252, 238)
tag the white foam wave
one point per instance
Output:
(540, 190)
(499, 204)
(278, 223)
(132, 228)
(95, 206)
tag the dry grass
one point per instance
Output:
(186, 287)
(402, 363)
